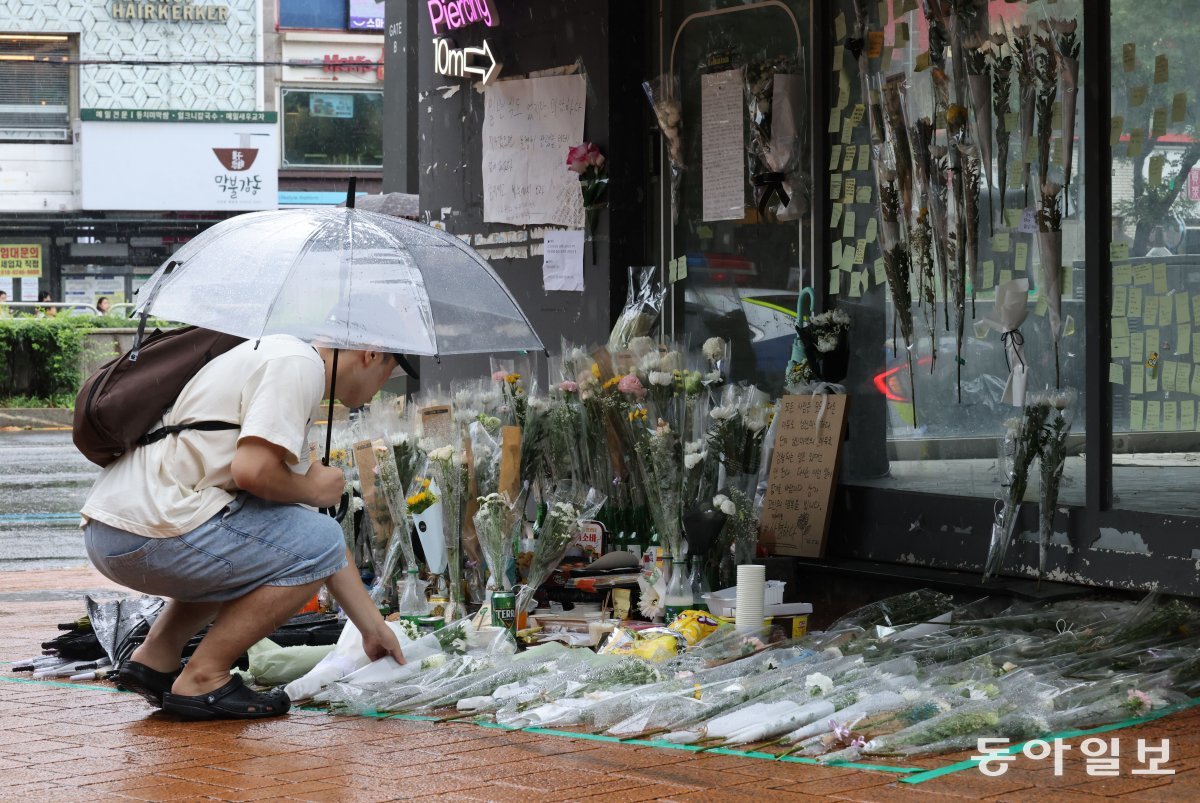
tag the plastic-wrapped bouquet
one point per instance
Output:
(825, 340)
(498, 525)
(566, 506)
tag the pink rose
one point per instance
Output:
(577, 157)
(594, 157)
(632, 385)
(499, 376)
(568, 386)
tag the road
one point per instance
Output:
(43, 482)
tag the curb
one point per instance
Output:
(36, 418)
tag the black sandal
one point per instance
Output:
(231, 701)
(149, 683)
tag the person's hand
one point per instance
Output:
(326, 485)
(380, 641)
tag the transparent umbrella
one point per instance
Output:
(344, 278)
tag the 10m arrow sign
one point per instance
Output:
(464, 62)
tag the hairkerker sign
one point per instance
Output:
(169, 11)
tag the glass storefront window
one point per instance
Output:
(332, 129)
(739, 76)
(1154, 369)
(943, 110)
(35, 92)
(313, 14)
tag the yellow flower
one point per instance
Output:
(512, 379)
(595, 370)
(637, 415)
(612, 383)
(338, 455)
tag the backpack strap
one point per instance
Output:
(202, 426)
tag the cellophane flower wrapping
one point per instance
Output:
(567, 506)
(643, 304)
(1052, 462)
(449, 474)
(498, 523)
(1022, 442)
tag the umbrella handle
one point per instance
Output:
(141, 330)
(338, 513)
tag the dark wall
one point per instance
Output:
(607, 38)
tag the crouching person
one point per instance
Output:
(224, 523)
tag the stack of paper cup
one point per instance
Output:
(751, 592)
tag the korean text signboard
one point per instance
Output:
(804, 471)
(181, 166)
(20, 259)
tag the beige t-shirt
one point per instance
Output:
(171, 487)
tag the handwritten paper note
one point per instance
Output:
(803, 474)
(724, 163)
(562, 261)
(528, 127)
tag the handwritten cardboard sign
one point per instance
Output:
(374, 499)
(804, 471)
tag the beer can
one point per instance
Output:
(504, 610)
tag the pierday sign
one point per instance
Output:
(462, 62)
(450, 15)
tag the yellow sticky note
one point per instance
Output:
(848, 159)
(835, 214)
(1001, 242)
(855, 286)
(1150, 311)
(1122, 274)
(1021, 256)
(1195, 389)
(839, 56)
(1162, 73)
(835, 121)
(863, 194)
(880, 272)
(835, 282)
(1142, 274)
(1183, 307)
(1005, 276)
(1011, 121)
(860, 252)
(1067, 281)
(1179, 107)
(1137, 413)
(1137, 379)
(1160, 278)
(1183, 339)
(1137, 347)
(1120, 348)
(1170, 416)
(1118, 251)
(1135, 302)
(1137, 95)
(839, 26)
(1156, 169)
(1129, 56)
(856, 115)
(1166, 312)
(1137, 141)
(835, 253)
(902, 35)
(1187, 415)
(863, 155)
(1169, 368)
(1056, 152)
(1116, 373)
(848, 186)
(989, 273)
(1120, 301)
(847, 133)
(1196, 348)
(835, 157)
(835, 186)
(1012, 217)
(1151, 383)
(1154, 416)
(1158, 122)
(1153, 340)
(1115, 126)
(850, 223)
(872, 228)
(1183, 377)
(1120, 329)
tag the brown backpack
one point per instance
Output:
(118, 405)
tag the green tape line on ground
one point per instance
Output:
(594, 737)
(694, 748)
(411, 717)
(970, 763)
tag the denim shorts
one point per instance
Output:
(249, 544)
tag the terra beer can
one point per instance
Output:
(504, 610)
